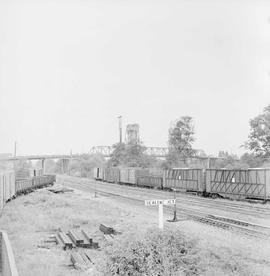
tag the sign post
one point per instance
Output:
(160, 216)
(175, 219)
(160, 203)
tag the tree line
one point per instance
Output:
(181, 137)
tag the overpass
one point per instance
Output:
(40, 157)
(107, 151)
(64, 157)
(161, 152)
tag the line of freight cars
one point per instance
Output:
(10, 187)
(241, 183)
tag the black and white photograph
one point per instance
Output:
(134, 137)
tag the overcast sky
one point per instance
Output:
(69, 68)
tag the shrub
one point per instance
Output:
(156, 253)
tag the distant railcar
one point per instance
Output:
(130, 175)
(24, 185)
(184, 179)
(150, 181)
(243, 183)
(99, 173)
(156, 172)
(112, 175)
(7, 187)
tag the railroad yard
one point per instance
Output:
(229, 237)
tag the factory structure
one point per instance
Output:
(132, 134)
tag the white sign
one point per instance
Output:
(169, 201)
(153, 202)
(160, 203)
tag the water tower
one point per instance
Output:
(132, 134)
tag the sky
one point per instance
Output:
(69, 68)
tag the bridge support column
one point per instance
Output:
(65, 166)
(43, 165)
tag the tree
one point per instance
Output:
(181, 138)
(118, 155)
(130, 155)
(259, 138)
(251, 161)
(85, 164)
(229, 161)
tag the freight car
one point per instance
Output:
(248, 183)
(99, 173)
(11, 187)
(28, 173)
(7, 187)
(131, 175)
(231, 183)
(150, 182)
(184, 180)
(25, 185)
(111, 175)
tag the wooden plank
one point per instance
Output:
(94, 245)
(77, 260)
(75, 237)
(88, 236)
(106, 230)
(86, 243)
(87, 254)
(67, 242)
(85, 258)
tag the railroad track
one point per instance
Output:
(218, 221)
(245, 209)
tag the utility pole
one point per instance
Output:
(120, 129)
(15, 149)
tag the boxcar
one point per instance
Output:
(22, 185)
(157, 172)
(184, 179)
(23, 174)
(112, 175)
(130, 175)
(150, 181)
(244, 183)
(99, 173)
(7, 187)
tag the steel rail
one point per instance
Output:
(208, 203)
(222, 222)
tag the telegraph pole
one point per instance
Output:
(120, 129)
(15, 149)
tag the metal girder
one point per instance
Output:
(106, 151)
(40, 157)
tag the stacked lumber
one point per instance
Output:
(107, 230)
(76, 238)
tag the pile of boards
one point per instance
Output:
(82, 239)
(76, 238)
